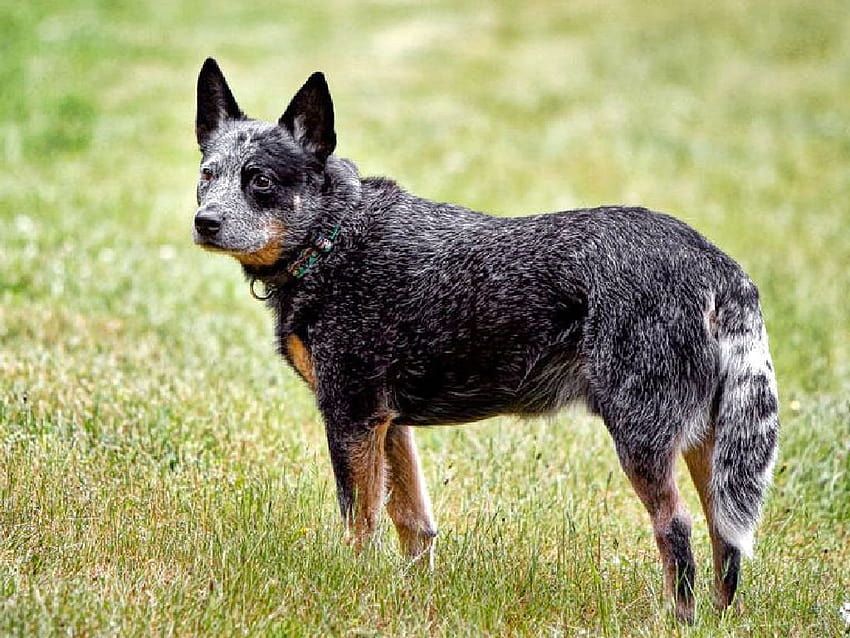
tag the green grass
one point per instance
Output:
(162, 472)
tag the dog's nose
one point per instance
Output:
(207, 222)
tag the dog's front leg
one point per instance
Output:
(409, 505)
(360, 467)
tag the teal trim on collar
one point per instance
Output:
(308, 257)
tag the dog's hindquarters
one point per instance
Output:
(731, 463)
(652, 375)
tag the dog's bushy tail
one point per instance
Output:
(747, 419)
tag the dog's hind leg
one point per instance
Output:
(409, 505)
(651, 474)
(360, 468)
(727, 558)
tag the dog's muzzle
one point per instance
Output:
(208, 222)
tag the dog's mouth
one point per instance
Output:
(266, 255)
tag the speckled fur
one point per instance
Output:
(429, 313)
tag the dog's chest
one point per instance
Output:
(299, 356)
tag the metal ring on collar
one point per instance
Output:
(269, 290)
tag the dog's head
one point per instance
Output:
(259, 183)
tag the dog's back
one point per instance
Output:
(485, 315)
(629, 310)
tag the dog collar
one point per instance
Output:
(307, 258)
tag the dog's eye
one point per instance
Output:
(206, 174)
(261, 182)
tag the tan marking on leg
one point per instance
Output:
(368, 471)
(698, 460)
(662, 501)
(300, 359)
(409, 505)
(661, 504)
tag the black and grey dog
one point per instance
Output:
(400, 312)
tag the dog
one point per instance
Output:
(401, 312)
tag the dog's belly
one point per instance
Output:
(452, 406)
(442, 395)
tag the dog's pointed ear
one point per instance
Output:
(215, 102)
(309, 118)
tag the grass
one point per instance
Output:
(162, 472)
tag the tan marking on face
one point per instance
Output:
(269, 253)
(265, 256)
(300, 359)
(409, 505)
(368, 464)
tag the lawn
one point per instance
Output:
(163, 472)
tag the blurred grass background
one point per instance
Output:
(161, 471)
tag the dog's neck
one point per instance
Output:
(342, 185)
(275, 277)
